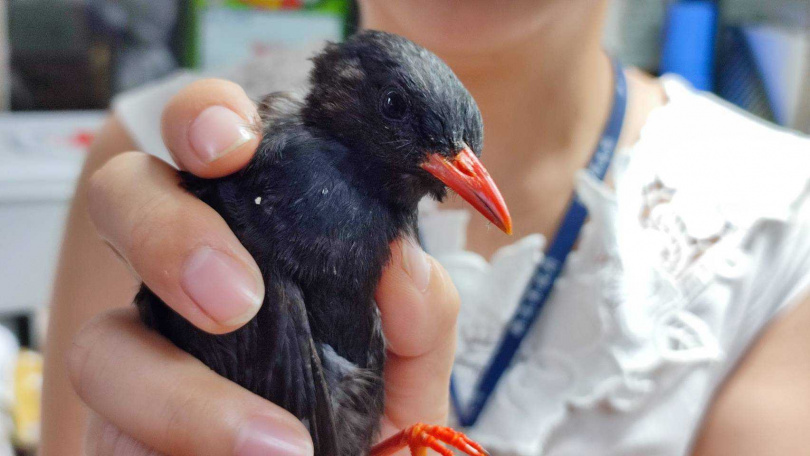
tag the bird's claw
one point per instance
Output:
(420, 437)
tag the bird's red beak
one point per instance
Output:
(467, 176)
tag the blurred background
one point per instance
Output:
(62, 61)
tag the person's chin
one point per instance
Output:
(449, 27)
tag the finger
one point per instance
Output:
(169, 401)
(180, 247)
(419, 306)
(211, 128)
(104, 439)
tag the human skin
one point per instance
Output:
(543, 85)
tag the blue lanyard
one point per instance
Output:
(542, 282)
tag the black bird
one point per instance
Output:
(336, 179)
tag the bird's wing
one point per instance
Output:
(273, 355)
(304, 389)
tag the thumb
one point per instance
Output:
(419, 307)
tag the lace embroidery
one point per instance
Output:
(679, 242)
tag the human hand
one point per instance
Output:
(150, 397)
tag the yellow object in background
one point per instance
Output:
(28, 397)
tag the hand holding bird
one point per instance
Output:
(337, 179)
(305, 343)
(137, 385)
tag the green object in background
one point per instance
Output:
(195, 12)
(188, 29)
(324, 6)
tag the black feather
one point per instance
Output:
(333, 183)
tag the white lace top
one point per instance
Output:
(705, 239)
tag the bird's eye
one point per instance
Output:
(393, 105)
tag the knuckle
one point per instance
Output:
(104, 182)
(154, 222)
(448, 295)
(181, 414)
(81, 359)
(176, 411)
(157, 224)
(111, 171)
(113, 442)
(108, 440)
(162, 230)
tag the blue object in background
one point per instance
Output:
(738, 78)
(689, 36)
(782, 57)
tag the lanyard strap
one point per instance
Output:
(542, 282)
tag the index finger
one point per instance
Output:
(211, 128)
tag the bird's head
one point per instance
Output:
(405, 115)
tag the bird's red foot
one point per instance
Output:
(420, 437)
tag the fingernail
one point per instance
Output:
(224, 288)
(263, 436)
(416, 264)
(216, 132)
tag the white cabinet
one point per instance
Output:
(41, 155)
